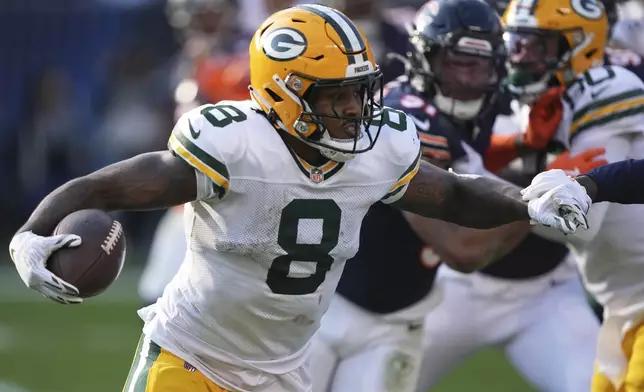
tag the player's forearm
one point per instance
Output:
(148, 181)
(620, 182)
(484, 203)
(73, 196)
(476, 202)
(466, 249)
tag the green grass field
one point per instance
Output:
(45, 347)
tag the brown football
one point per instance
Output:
(94, 265)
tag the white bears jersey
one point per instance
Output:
(605, 108)
(267, 242)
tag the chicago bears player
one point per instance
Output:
(371, 338)
(276, 190)
(603, 105)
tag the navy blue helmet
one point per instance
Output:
(457, 56)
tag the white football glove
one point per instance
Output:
(30, 253)
(563, 207)
(544, 182)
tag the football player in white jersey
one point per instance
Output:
(276, 190)
(603, 107)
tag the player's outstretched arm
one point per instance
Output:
(471, 201)
(147, 181)
(619, 182)
(465, 249)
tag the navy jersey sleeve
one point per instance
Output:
(439, 144)
(619, 182)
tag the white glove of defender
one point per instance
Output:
(544, 182)
(554, 191)
(558, 208)
(30, 253)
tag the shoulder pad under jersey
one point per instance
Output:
(399, 137)
(608, 97)
(209, 139)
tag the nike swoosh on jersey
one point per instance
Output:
(193, 133)
(595, 94)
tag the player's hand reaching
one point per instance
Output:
(30, 253)
(554, 191)
(545, 115)
(580, 163)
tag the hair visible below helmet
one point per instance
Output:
(458, 55)
(307, 47)
(550, 42)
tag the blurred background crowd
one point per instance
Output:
(90, 82)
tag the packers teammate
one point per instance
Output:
(276, 190)
(551, 44)
(506, 146)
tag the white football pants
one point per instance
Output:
(545, 326)
(358, 351)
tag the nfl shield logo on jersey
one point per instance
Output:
(317, 175)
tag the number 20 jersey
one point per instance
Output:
(267, 241)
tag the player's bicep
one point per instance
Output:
(147, 181)
(428, 191)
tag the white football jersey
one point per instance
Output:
(267, 242)
(605, 108)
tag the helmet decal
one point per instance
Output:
(589, 9)
(284, 44)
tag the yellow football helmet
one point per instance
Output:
(551, 42)
(303, 48)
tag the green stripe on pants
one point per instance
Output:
(146, 354)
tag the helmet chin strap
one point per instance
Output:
(462, 110)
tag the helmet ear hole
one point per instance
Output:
(591, 53)
(273, 95)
